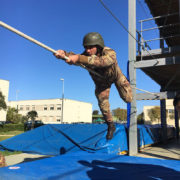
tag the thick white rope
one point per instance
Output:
(50, 49)
(41, 44)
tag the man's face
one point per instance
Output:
(91, 50)
(178, 108)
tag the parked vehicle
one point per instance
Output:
(2, 123)
(28, 124)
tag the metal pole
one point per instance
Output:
(162, 39)
(62, 108)
(176, 123)
(163, 120)
(17, 91)
(141, 41)
(160, 27)
(163, 103)
(157, 17)
(133, 147)
(167, 37)
(179, 10)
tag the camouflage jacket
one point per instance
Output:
(106, 65)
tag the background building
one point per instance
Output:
(51, 111)
(169, 114)
(4, 88)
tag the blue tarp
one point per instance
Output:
(64, 138)
(156, 132)
(85, 154)
(93, 166)
(145, 136)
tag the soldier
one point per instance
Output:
(103, 61)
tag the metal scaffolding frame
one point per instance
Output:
(152, 61)
(133, 145)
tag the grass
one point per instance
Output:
(4, 137)
(7, 153)
(7, 135)
(14, 133)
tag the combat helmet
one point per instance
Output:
(93, 38)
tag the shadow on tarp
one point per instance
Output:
(116, 170)
(84, 165)
(58, 139)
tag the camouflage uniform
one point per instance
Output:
(106, 65)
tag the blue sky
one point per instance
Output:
(61, 24)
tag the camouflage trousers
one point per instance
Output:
(102, 93)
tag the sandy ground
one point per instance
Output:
(21, 158)
(171, 150)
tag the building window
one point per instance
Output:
(33, 107)
(58, 119)
(21, 108)
(27, 108)
(58, 107)
(170, 111)
(45, 108)
(51, 107)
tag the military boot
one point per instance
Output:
(111, 130)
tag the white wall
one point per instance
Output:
(4, 88)
(76, 111)
(73, 111)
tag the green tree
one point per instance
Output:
(121, 114)
(32, 115)
(140, 118)
(13, 116)
(2, 102)
(155, 114)
(24, 119)
(95, 112)
(171, 116)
